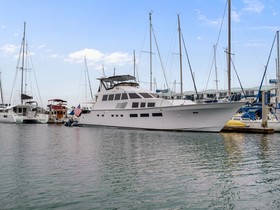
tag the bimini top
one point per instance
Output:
(57, 100)
(118, 78)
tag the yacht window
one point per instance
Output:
(124, 96)
(133, 115)
(143, 105)
(135, 105)
(111, 97)
(151, 104)
(133, 95)
(121, 115)
(118, 96)
(104, 97)
(155, 95)
(144, 115)
(146, 95)
(157, 114)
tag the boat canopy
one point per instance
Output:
(57, 100)
(118, 78)
(125, 80)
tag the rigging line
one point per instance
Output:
(160, 57)
(1, 92)
(238, 78)
(34, 73)
(189, 65)
(212, 63)
(17, 69)
(89, 83)
(218, 38)
(225, 10)
(259, 92)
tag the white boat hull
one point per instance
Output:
(194, 117)
(7, 118)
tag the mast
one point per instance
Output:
(151, 74)
(1, 91)
(278, 71)
(22, 62)
(216, 72)
(87, 75)
(229, 48)
(134, 63)
(180, 54)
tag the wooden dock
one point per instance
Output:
(245, 129)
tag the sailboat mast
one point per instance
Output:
(229, 48)
(22, 61)
(278, 70)
(151, 74)
(134, 63)
(87, 74)
(1, 91)
(180, 54)
(216, 72)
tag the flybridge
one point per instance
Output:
(125, 80)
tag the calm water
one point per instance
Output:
(56, 167)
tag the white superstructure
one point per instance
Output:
(121, 103)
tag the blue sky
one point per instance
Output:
(60, 33)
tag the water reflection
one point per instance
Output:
(107, 168)
(250, 165)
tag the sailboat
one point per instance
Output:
(258, 115)
(28, 110)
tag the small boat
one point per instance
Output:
(120, 102)
(58, 111)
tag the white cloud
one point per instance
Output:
(118, 58)
(53, 56)
(9, 49)
(41, 46)
(91, 54)
(235, 16)
(253, 6)
(206, 20)
(97, 57)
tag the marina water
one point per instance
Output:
(57, 167)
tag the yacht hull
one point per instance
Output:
(194, 117)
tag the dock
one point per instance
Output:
(245, 129)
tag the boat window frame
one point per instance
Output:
(105, 97)
(124, 96)
(151, 104)
(111, 97)
(117, 96)
(134, 96)
(146, 95)
(135, 104)
(142, 104)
